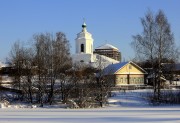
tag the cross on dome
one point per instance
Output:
(84, 26)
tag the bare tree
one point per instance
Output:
(38, 66)
(17, 59)
(155, 44)
(28, 75)
(52, 60)
(82, 89)
(0, 80)
(144, 43)
(61, 61)
(21, 58)
(43, 62)
(164, 43)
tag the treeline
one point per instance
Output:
(44, 72)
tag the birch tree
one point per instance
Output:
(154, 44)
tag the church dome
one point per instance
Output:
(107, 46)
(84, 25)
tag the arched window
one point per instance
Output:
(82, 47)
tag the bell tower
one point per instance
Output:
(84, 41)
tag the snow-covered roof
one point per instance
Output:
(4, 64)
(107, 46)
(103, 60)
(113, 68)
(1, 64)
(172, 67)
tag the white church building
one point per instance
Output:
(84, 51)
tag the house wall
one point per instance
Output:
(133, 79)
(137, 79)
(130, 75)
(129, 69)
(121, 79)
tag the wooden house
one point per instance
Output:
(125, 73)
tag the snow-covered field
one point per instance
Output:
(124, 108)
(105, 115)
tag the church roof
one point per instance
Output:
(84, 33)
(107, 46)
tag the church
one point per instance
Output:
(106, 54)
(107, 57)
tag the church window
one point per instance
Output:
(82, 47)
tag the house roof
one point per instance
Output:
(6, 64)
(177, 66)
(107, 46)
(113, 68)
(172, 67)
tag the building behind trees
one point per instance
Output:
(109, 51)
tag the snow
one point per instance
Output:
(107, 46)
(104, 60)
(103, 115)
(129, 99)
(124, 107)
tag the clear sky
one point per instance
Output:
(109, 21)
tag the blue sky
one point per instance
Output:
(109, 21)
